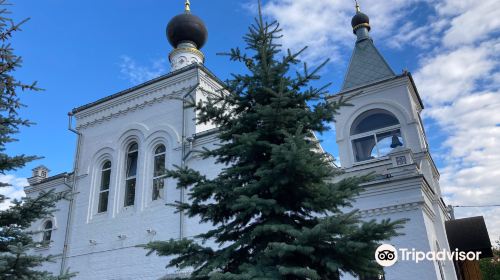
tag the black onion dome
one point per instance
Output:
(187, 27)
(359, 20)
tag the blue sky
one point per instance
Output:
(80, 51)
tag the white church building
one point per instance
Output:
(115, 198)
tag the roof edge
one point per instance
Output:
(408, 74)
(147, 83)
(52, 178)
(404, 74)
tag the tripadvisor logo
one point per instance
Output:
(387, 255)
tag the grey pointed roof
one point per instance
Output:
(367, 65)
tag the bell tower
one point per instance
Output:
(386, 117)
(382, 133)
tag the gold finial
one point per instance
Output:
(187, 8)
(357, 7)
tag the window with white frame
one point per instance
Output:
(104, 187)
(131, 174)
(158, 172)
(47, 228)
(374, 134)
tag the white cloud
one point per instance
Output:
(459, 81)
(424, 37)
(449, 74)
(313, 31)
(460, 85)
(466, 107)
(324, 25)
(475, 20)
(454, 7)
(14, 191)
(458, 77)
(489, 214)
(137, 74)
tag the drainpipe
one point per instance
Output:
(73, 191)
(184, 150)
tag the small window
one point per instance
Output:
(47, 232)
(158, 172)
(131, 174)
(374, 134)
(104, 187)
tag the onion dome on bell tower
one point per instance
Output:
(360, 20)
(367, 65)
(187, 34)
(360, 24)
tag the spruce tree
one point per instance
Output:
(17, 260)
(490, 267)
(277, 209)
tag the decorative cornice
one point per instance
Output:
(188, 50)
(97, 105)
(429, 211)
(390, 209)
(208, 83)
(129, 109)
(132, 100)
(156, 93)
(407, 179)
(49, 183)
(88, 107)
(153, 88)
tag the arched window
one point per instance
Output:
(104, 187)
(374, 134)
(131, 174)
(48, 226)
(158, 172)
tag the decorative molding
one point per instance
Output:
(409, 181)
(414, 95)
(361, 25)
(172, 88)
(208, 83)
(390, 209)
(127, 110)
(400, 112)
(429, 211)
(427, 155)
(181, 50)
(52, 184)
(184, 55)
(375, 86)
(169, 82)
